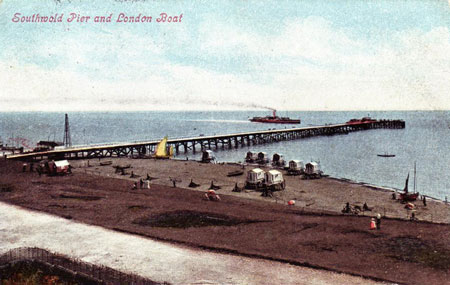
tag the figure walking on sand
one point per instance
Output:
(378, 222)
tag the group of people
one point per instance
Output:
(143, 184)
(375, 223)
(356, 209)
(24, 167)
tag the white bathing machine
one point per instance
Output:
(59, 167)
(274, 180)
(278, 160)
(312, 169)
(255, 178)
(296, 167)
(208, 156)
(251, 157)
(263, 158)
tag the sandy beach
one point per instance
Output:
(314, 234)
(153, 259)
(326, 194)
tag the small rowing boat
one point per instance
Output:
(235, 173)
(386, 155)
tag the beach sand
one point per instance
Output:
(326, 194)
(312, 234)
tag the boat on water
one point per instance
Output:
(274, 119)
(363, 120)
(386, 155)
(406, 195)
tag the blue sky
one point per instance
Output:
(297, 55)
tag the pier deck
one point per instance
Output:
(208, 142)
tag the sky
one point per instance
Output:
(226, 55)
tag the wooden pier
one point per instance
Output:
(194, 144)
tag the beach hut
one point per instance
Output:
(58, 167)
(262, 158)
(208, 156)
(251, 157)
(274, 180)
(278, 160)
(255, 178)
(312, 169)
(296, 167)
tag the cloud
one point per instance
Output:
(309, 64)
(101, 53)
(312, 65)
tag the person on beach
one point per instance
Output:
(372, 224)
(147, 182)
(134, 186)
(365, 207)
(24, 167)
(148, 177)
(413, 216)
(347, 208)
(424, 201)
(378, 221)
(141, 183)
(394, 196)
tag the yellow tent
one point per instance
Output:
(161, 149)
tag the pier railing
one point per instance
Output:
(74, 267)
(226, 141)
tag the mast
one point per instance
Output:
(414, 177)
(67, 140)
(406, 184)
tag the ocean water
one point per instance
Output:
(425, 140)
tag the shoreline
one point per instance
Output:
(380, 188)
(374, 187)
(341, 179)
(328, 194)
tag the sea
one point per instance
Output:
(425, 142)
